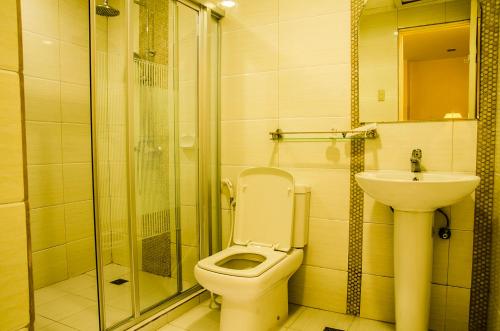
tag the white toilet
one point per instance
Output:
(270, 230)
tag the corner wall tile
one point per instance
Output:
(49, 266)
(14, 293)
(42, 99)
(11, 167)
(47, 227)
(9, 58)
(45, 185)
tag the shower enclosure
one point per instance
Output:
(122, 135)
(155, 69)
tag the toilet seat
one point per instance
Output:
(272, 257)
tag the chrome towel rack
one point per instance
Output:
(331, 135)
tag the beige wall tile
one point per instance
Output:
(321, 91)
(41, 56)
(376, 212)
(297, 9)
(377, 298)
(11, 167)
(9, 58)
(250, 96)
(74, 64)
(41, 17)
(329, 192)
(250, 51)
(328, 244)
(250, 13)
(45, 185)
(457, 309)
(440, 260)
(81, 256)
(42, 99)
(77, 182)
(464, 145)
(315, 41)
(438, 307)
(76, 143)
(74, 21)
(188, 184)
(247, 142)
(189, 230)
(49, 266)
(462, 214)
(47, 227)
(396, 141)
(327, 154)
(43, 142)
(460, 264)
(75, 103)
(79, 218)
(378, 256)
(190, 257)
(14, 295)
(319, 288)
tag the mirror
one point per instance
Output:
(417, 60)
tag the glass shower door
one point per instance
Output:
(156, 152)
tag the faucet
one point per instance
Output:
(416, 158)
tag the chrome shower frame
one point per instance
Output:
(207, 9)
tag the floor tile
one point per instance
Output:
(64, 306)
(170, 327)
(316, 320)
(200, 318)
(47, 294)
(57, 327)
(363, 324)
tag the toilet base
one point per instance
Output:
(264, 313)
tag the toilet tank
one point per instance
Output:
(301, 216)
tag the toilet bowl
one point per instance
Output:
(270, 230)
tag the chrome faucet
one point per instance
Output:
(416, 158)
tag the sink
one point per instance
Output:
(414, 198)
(424, 191)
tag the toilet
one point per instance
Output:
(270, 230)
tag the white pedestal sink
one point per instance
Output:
(414, 197)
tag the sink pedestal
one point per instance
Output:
(412, 269)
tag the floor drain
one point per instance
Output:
(331, 329)
(119, 281)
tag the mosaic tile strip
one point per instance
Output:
(354, 268)
(485, 165)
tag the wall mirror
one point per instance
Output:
(418, 60)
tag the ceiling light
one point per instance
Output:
(228, 3)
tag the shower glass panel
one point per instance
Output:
(111, 165)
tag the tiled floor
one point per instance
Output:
(203, 318)
(72, 304)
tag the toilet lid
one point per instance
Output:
(264, 212)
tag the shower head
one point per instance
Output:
(106, 10)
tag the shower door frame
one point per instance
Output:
(207, 9)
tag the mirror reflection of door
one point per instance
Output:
(434, 70)
(417, 60)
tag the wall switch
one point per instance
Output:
(381, 95)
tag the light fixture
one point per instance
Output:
(228, 3)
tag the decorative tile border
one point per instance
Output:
(354, 268)
(485, 165)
